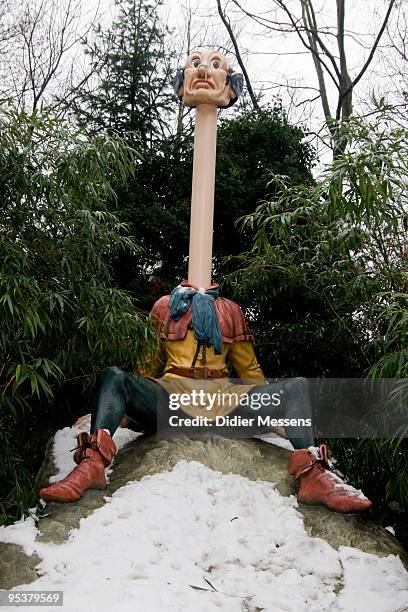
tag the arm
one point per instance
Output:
(151, 365)
(243, 358)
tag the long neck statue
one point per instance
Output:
(202, 196)
(207, 83)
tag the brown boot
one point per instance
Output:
(318, 485)
(92, 456)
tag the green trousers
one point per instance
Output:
(123, 393)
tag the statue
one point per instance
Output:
(200, 331)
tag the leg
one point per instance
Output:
(121, 393)
(309, 464)
(294, 404)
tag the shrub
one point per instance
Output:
(62, 318)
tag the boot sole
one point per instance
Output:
(320, 505)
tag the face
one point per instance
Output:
(205, 74)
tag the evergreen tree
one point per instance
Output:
(129, 87)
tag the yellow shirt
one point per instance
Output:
(180, 354)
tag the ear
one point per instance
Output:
(178, 81)
(236, 82)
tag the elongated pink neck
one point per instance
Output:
(202, 197)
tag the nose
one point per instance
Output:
(203, 70)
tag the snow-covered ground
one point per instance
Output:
(196, 540)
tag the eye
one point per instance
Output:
(216, 63)
(196, 62)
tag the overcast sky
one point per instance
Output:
(276, 58)
(277, 62)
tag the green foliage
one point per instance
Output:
(325, 255)
(155, 204)
(62, 317)
(326, 279)
(302, 278)
(128, 90)
(391, 345)
(249, 148)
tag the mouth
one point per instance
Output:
(202, 84)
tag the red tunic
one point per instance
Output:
(230, 317)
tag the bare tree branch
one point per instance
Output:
(316, 60)
(299, 29)
(312, 36)
(46, 34)
(370, 57)
(229, 29)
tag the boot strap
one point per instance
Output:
(93, 445)
(322, 464)
(82, 440)
(105, 453)
(303, 469)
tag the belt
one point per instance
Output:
(198, 372)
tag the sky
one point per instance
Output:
(277, 63)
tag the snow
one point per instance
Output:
(196, 540)
(273, 438)
(22, 532)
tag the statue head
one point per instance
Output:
(207, 79)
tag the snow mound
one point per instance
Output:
(196, 540)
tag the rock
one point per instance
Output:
(15, 566)
(255, 459)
